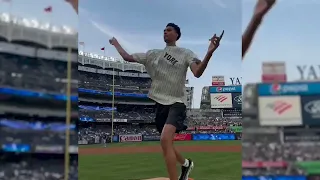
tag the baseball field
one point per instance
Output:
(219, 160)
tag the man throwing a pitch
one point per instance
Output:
(168, 70)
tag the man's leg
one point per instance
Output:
(186, 165)
(168, 150)
(176, 117)
(181, 160)
(167, 134)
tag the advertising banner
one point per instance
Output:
(221, 100)
(310, 88)
(264, 164)
(115, 138)
(280, 111)
(236, 128)
(16, 148)
(226, 89)
(301, 136)
(232, 113)
(183, 137)
(276, 178)
(82, 142)
(206, 128)
(218, 81)
(130, 138)
(73, 149)
(213, 137)
(49, 149)
(110, 120)
(237, 100)
(311, 110)
(273, 72)
(211, 127)
(151, 138)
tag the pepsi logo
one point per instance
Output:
(219, 89)
(275, 88)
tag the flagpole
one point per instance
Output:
(113, 97)
(112, 113)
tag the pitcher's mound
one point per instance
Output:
(163, 178)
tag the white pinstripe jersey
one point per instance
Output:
(168, 70)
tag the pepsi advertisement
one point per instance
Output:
(213, 137)
(225, 89)
(310, 88)
(311, 110)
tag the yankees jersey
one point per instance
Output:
(168, 70)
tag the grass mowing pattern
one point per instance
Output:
(208, 166)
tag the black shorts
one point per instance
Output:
(174, 114)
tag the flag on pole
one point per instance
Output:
(48, 9)
(102, 49)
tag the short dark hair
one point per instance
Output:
(176, 28)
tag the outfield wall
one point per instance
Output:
(178, 137)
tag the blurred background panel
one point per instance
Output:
(281, 117)
(35, 37)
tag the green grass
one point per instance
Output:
(156, 143)
(208, 166)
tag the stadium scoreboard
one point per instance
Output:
(226, 97)
(289, 104)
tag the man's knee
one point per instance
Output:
(167, 136)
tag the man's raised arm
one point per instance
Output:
(74, 4)
(123, 53)
(261, 9)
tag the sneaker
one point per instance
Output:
(185, 171)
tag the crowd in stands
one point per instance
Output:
(277, 155)
(122, 83)
(36, 167)
(36, 74)
(33, 133)
(128, 112)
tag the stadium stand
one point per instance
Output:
(33, 70)
(132, 111)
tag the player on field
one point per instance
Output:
(168, 70)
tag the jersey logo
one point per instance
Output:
(170, 58)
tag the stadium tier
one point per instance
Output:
(132, 112)
(33, 71)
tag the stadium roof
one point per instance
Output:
(33, 23)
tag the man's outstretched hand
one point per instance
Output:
(263, 6)
(74, 4)
(215, 42)
(113, 41)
